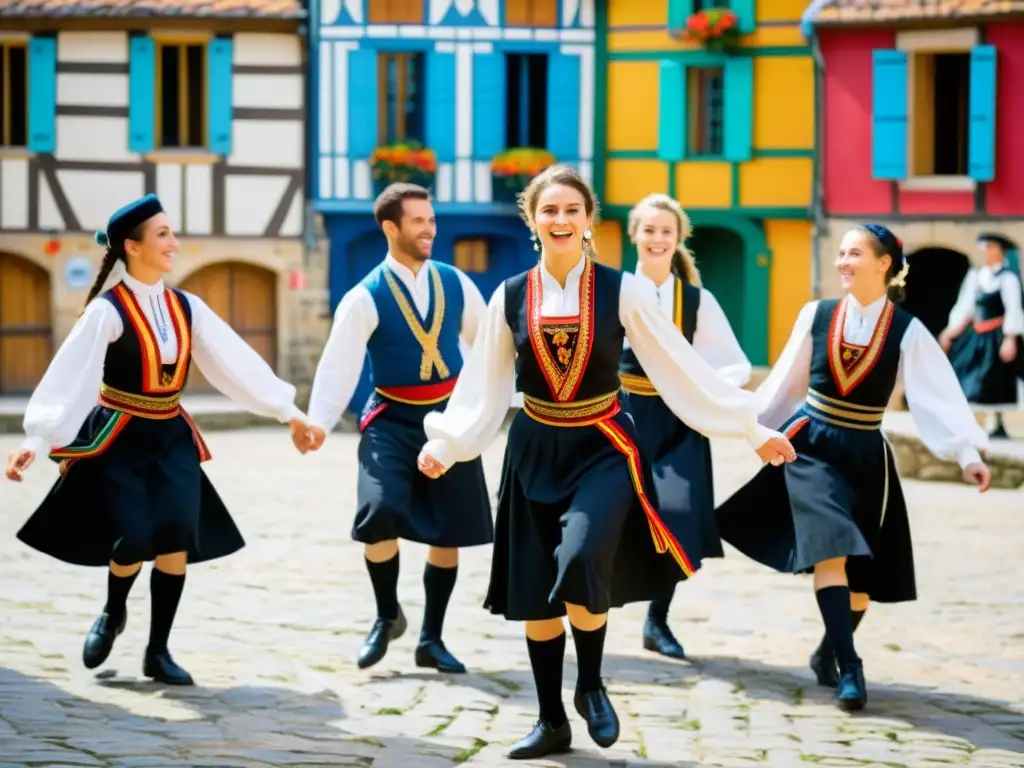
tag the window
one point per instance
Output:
(531, 13)
(527, 100)
(940, 84)
(396, 11)
(472, 255)
(13, 94)
(181, 95)
(707, 5)
(705, 94)
(399, 101)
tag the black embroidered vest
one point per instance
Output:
(989, 306)
(860, 375)
(565, 359)
(686, 302)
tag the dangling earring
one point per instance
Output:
(536, 242)
(587, 235)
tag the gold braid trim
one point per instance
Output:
(427, 339)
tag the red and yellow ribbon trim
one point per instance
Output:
(154, 380)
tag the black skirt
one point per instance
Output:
(840, 498)
(984, 378)
(576, 523)
(132, 489)
(397, 501)
(682, 471)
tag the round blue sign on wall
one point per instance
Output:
(78, 272)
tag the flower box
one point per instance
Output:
(405, 161)
(714, 29)
(512, 169)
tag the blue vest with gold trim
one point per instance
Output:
(407, 350)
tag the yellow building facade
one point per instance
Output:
(730, 135)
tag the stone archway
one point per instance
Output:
(933, 284)
(26, 331)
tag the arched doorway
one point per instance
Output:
(933, 284)
(246, 297)
(721, 259)
(26, 332)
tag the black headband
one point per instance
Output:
(892, 244)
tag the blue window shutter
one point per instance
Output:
(219, 100)
(671, 110)
(745, 15)
(563, 128)
(362, 102)
(678, 12)
(42, 95)
(141, 93)
(889, 115)
(440, 105)
(981, 150)
(488, 105)
(738, 117)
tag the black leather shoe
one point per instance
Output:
(602, 723)
(823, 663)
(376, 643)
(163, 669)
(433, 654)
(100, 640)
(659, 638)
(543, 740)
(852, 691)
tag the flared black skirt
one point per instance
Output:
(984, 377)
(577, 523)
(132, 489)
(397, 501)
(840, 498)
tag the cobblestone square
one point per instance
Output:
(271, 636)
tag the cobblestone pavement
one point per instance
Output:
(271, 635)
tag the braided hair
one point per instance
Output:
(885, 243)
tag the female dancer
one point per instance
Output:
(576, 531)
(839, 509)
(984, 333)
(131, 488)
(681, 456)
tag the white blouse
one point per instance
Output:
(713, 338)
(71, 384)
(355, 320)
(985, 279)
(944, 419)
(689, 386)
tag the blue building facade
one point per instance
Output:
(466, 79)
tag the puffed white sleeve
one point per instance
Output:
(474, 309)
(944, 419)
(715, 341)
(964, 307)
(482, 396)
(236, 369)
(689, 386)
(337, 373)
(1013, 314)
(784, 391)
(71, 384)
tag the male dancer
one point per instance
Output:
(409, 314)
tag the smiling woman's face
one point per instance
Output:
(560, 219)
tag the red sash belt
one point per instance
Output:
(420, 394)
(987, 326)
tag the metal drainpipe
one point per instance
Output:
(819, 224)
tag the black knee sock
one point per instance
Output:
(165, 593)
(384, 577)
(118, 588)
(546, 661)
(834, 604)
(589, 655)
(657, 611)
(438, 584)
(825, 647)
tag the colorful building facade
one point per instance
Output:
(923, 109)
(729, 134)
(103, 103)
(464, 79)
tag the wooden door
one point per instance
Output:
(245, 296)
(26, 333)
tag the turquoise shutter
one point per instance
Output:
(981, 149)
(219, 95)
(141, 93)
(563, 128)
(362, 103)
(42, 95)
(671, 110)
(440, 105)
(488, 105)
(745, 14)
(678, 12)
(738, 142)
(889, 115)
